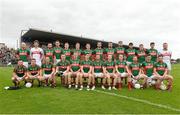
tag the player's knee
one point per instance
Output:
(13, 79)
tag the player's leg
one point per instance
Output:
(89, 81)
(144, 78)
(169, 78)
(93, 81)
(104, 79)
(51, 80)
(169, 68)
(30, 79)
(108, 78)
(129, 79)
(65, 75)
(54, 80)
(80, 77)
(114, 81)
(41, 80)
(69, 79)
(119, 81)
(77, 76)
(14, 80)
(158, 82)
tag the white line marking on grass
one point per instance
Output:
(139, 100)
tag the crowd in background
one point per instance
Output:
(7, 55)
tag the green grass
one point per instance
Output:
(46, 100)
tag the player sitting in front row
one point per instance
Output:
(62, 69)
(86, 69)
(33, 72)
(109, 72)
(135, 72)
(47, 71)
(161, 70)
(19, 73)
(74, 71)
(122, 72)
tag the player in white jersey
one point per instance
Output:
(37, 53)
(166, 56)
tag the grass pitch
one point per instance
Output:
(45, 100)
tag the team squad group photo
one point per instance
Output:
(84, 68)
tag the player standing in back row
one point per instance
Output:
(37, 53)
(23, 54)
(57, 52)
(99, 50)
(109, 51)
(130, 53)
(120, 50)
(153, 52)
(49, 52)
(166, 54)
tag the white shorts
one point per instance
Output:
(20, 78)
(61, 73)
(98, 74)
(47, 76)
(124, 74)
(134, 81)
(33, 77)
(149, 79)
(25, 64)
(111, 74)
(168, 65)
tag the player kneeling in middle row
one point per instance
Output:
(86, 69)
(109, 72)
(62, 69)
(48, 73)
(122, 72)
(97, 70)
(74, 71)
(136, 73)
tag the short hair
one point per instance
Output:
(134, 56)
(49, 43)
(77, 43)
(152, 43)
(148, 55)
(121, 55)
(33, 59)
(141, 45)
(23, 43)
(36, 41)
(130, 43)
(57, 41)
(19, 60)
(160, 56)
(120, 42)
